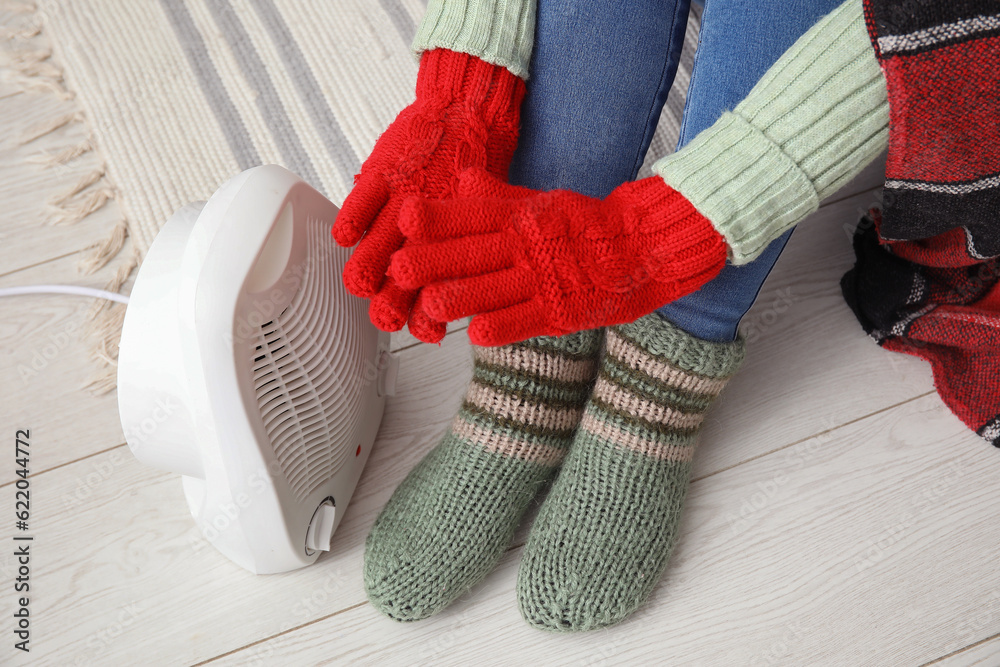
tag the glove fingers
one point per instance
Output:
(509, 325)
(415, 266)
(390, 308)
(480, 294)
(477, 183)
(360, 209)
(429, 220)
(423, 326)
(365, 270)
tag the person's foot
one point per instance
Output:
(449, 522)
(605, 532)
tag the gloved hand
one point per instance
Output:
(466, 114)
(527, 263)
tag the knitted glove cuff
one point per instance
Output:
(447, 77)
(500, 32)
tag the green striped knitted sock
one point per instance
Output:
(449, 522)
(605, 532)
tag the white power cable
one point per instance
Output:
(64, 289)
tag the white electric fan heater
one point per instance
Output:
(246, 367)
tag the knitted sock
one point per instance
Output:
(605, 532)
(449, 522)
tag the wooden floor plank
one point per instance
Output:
(984, 653)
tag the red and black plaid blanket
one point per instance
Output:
(927, 277)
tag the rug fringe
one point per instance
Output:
(33, 63)
(81, 207)
(104, 251)
(30, 67)
(50, 126)
(81, 185)
(48, 160)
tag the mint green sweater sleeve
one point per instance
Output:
(500, 32)
(812, 122)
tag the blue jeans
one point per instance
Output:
(600, 74)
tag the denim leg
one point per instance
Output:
(599, 75)
(735, 48)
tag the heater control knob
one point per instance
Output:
(321, 527)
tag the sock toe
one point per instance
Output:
(391, 590)
(601, 540)
(435, 538)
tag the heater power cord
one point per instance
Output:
(64, 289)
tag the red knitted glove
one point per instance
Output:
(466, 114)
(529, 263)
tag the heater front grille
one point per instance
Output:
(306, 362)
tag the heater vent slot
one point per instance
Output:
(308, 367)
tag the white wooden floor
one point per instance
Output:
(840, 515)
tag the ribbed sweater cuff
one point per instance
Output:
(743, 182)
(812, 122)
(501, 32)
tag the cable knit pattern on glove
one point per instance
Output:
(466, 114)
(529, 263)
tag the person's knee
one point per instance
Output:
(587, 155)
